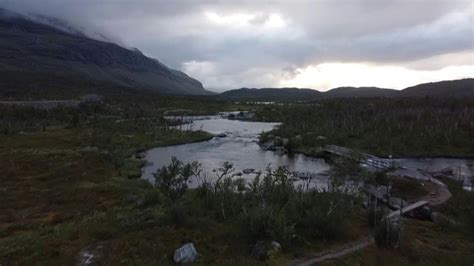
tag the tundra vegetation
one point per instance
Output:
(387, 126)
(69, 189)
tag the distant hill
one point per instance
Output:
(271, 94)
(453, 88)
(450, 88)
(29, 46)
(361, 92)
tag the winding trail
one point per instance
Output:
(334, 254)
(439, 193)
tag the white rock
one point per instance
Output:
(185, 254)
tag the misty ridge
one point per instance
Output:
(130, 68)
(74, 54)
(223, 47)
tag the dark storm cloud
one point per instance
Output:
(254, 43)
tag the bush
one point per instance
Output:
(387, 235)
(268, 208)
(374, 217)
(150, 198)
(173, 180)
(262, 222)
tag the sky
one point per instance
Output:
(318, 44)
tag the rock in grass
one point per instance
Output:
(264, 250)
(275, 246)
(90, 255)
(185, 254)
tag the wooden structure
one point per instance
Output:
(380, 194)
(408, 208)
(364, 158)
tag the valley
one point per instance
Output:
(110, 157)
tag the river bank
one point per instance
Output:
(240, 142)
(382, 127)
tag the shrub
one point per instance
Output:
(173, 179)
(268, 208)
(149, 198)
(386, 234)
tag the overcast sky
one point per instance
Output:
(317, 44)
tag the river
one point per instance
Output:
(238, 144)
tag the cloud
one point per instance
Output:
(236, 43)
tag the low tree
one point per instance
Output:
(173, 179)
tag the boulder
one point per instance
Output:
(276, 246)
(185, 254)
(264, 250)
(90, 255)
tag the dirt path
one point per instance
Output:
(334, 254)
(438, 194)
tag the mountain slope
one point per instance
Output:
(361, 92)
(449, 88)
(453, 88)
(271, 94)
(29, 46)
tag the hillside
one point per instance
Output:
(453, 88)
(360, 92)
(271, 94)
(457, 88)
(30, 47)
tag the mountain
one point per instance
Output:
(30, 46)
(295, 94)
(456, 88)
(271, 94)
(360, 92)
(453, 88)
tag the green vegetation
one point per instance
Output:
(401, 127)
(270, 208)
(428, 243)
(72, 201)
(459, 208)
(69, 186)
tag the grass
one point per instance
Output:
(56, 200)
(408, 127)
(47, 183)
(408, 189)
(427, 243)
(423, 243)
